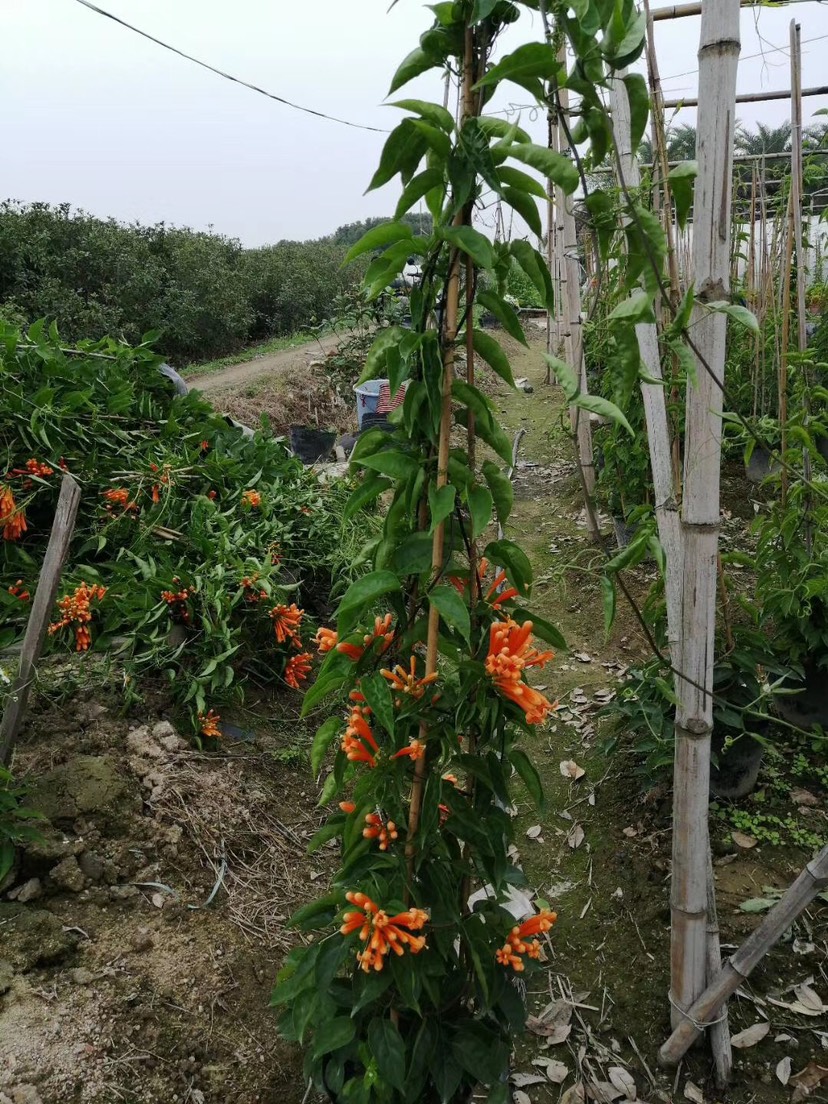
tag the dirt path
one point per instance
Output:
(280, 363)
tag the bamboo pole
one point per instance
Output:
(680, 11)
(718, 62)
(785, 349)
(720, 1030)
(652, 394)
(739, 966)
(754, 97)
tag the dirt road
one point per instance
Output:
(281, 363)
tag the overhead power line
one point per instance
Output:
(229, 76)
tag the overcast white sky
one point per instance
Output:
(98, 117)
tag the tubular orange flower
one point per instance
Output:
(251, 498)
(510, 653)
(156, 492)
(177, 601)
(35, 467)
(76, 611)
(406, 681)
(12, 517)
(382, 631)
(286, 622)
(325, 639)
(298, 669)
(505, 595)
(18, 591)
(358, 741)
(381, 933)
(211, 494)
(347, 806)
(532, 702)
(379, 831)
(415, 750)
(209, 724)
(516, 943)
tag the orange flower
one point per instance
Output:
(416, 750)
(298, 669)
(382, 933)
(35, 467)
(12, 517)
(379, 831)
(119, 496)
(156, 492)
(510, 653)
(76, 611)
(347, 806)
(286, 622)
(516, 943)
(407, 682)
(177, 601)
(382, 631)
(358, 741)
(209, 724)
(325, 639)
(211, 495)
(205, 445)
(18, 591)
(505, 595)
(251, 498)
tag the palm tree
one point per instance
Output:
(764, 140)
(681, 145)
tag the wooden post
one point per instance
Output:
(720, 1030)
(737, 969)
(718, 61)
(42, 606)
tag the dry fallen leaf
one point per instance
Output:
(559, 1034)
(603, 1092)
(555, 1071)
(574, 1094)
(751, 1035)
(521, 1097)
(583, 657)
(783, 1070)
(631, 833)
(809, 997)
(158, 900)
(524, 1080)
(796, 1006)
(693, 1092)
(623, 1081)
(570, 769)
(741, 839)
(534, 831)
(803, 797)
(575, 837)
(807, 1080)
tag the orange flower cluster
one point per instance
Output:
(382, 933)
(76, 611)
(510, 653)
(516, 946)
(325, 639)
(385, 833)
(177, 601)
(286, 621)
(406, 682)
(210, 724)
(382, 631)
(35, 467)
(12, 516)
(251, 592)
(251, 498)
(416, 750)
(298, 669)
(17, 590)
(119, 496)
(358, 741)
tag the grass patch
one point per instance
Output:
(252, 352)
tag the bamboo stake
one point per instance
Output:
(718, 61)
(653, 395)
(783, 354)
(720, 1030)
(754, 97)
(739, 967)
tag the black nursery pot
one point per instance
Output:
(810, 706)
(310, 445)
(738, 768)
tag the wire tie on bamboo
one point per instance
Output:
(700, 1025)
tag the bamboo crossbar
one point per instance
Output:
(755, 97)
(679, 11)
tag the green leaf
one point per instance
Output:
(507, 554)
(514, 178)
(471, 242)
(388, 1049)
(375, 360)
(437, 140)
(493, 127)
(541, 628)
(371, 488)
(757, 904)
(502, 491)
(333, 1034)
(325, 735)
(480, 508)
(482, 10)
(320, 690)
(378, 696)
(735, 311)
(432, 112)
(362, 593)
(535, 267)
(553, 165)
(416, 188)
(440, 504)
(487, 348)
(402, 153)
(637, 308)
(565, 376)
(596, 404)
(411, 66)
(639, 97)
(329, 789)
(377, 237)
(315, 913)
(681, 178)
(534, 59)
(451, 608)
(399, 465)
(526, 207)
(504, 313)
(529, 775)
(609, 600)
(480, 1050)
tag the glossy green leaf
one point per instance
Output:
(434, 113)
(440, 504)
(502, 491)
(533, 59)
(451, 608)
(507, 554)
(370, 489)
(378, 696)
(609, 601)
(737, 312)
(332, 1034)
(378, 236)
(597, 404)
(320, 690)
(411, 66)
(480, 508)
(541, 628)
(325, 735)
(552, 165)
(529, 775)
(402, 153)
(487, 348)
(526, 207)
(362, 593)
(682, 181)
(637, 307)
(515, 178)
(471, 242)
(388, 1049)
(399, 465)
(536, 268)
(375, 360)
(504, 313)
(639, 97)
(417, 187)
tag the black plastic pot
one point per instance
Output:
(810, 706)
(760, 465)
(310, 445)
(733, 773)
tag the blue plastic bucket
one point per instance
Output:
(367, 396)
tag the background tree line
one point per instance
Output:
(205, 293)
